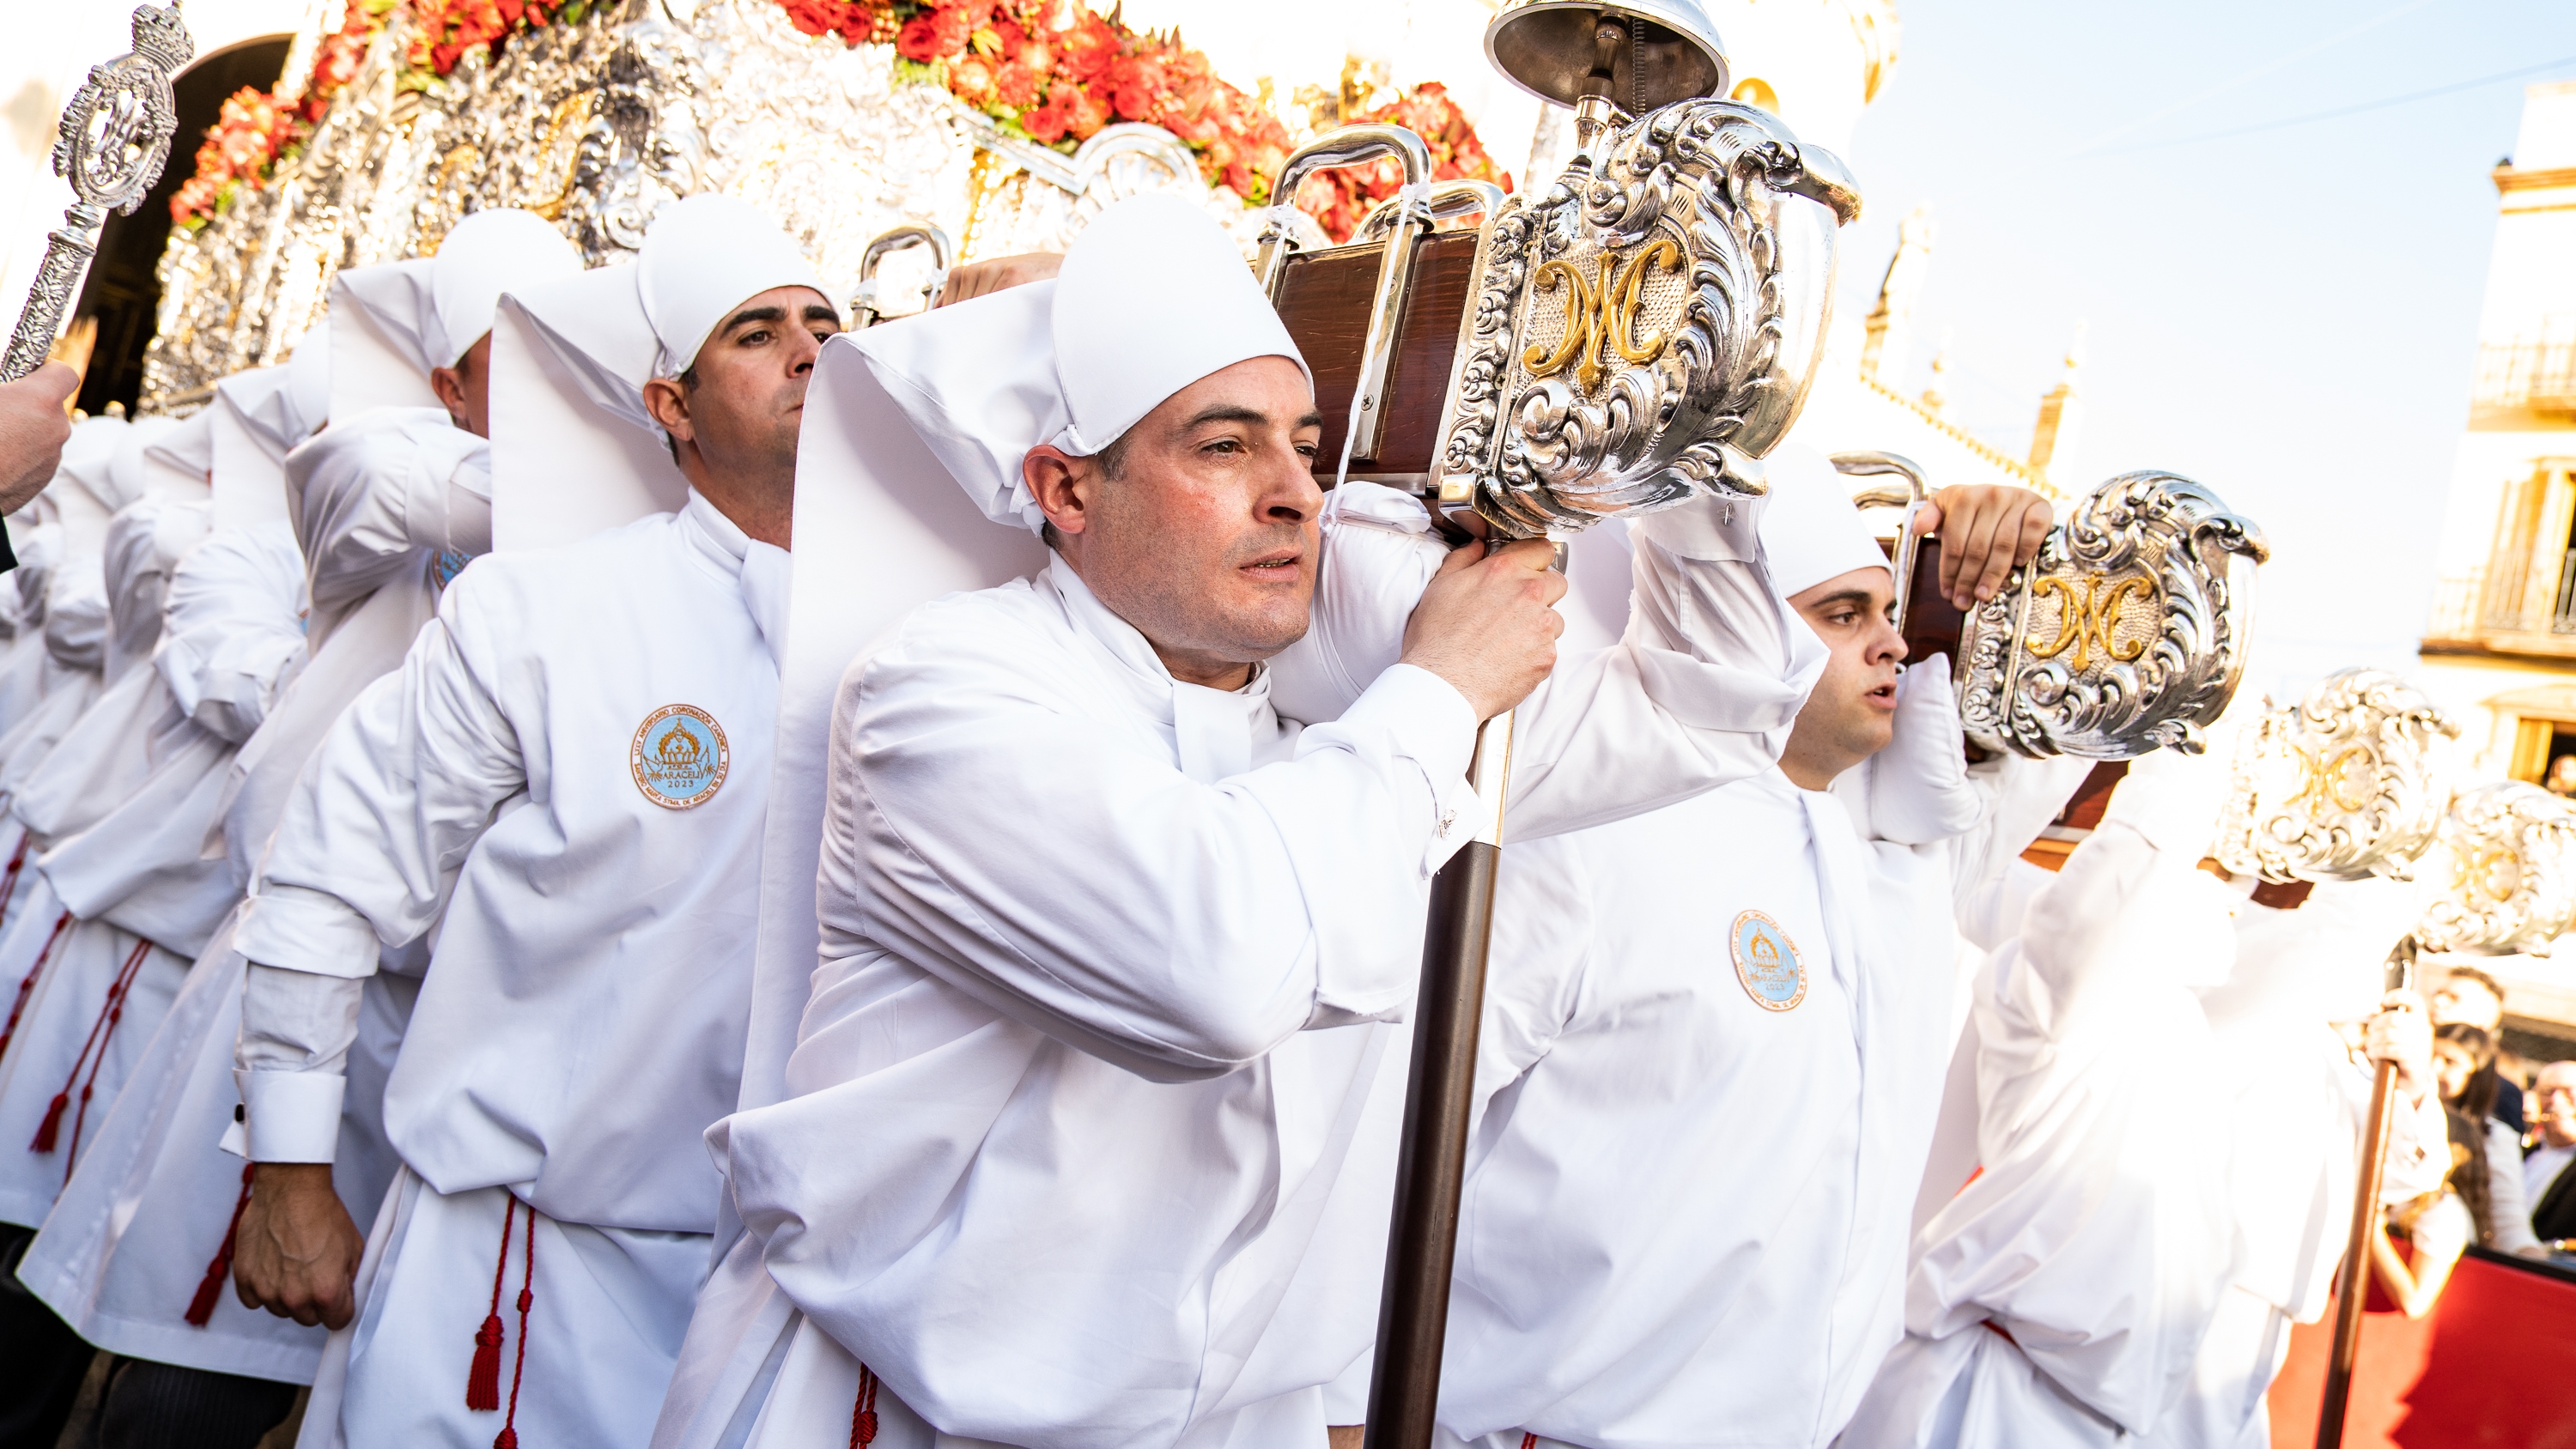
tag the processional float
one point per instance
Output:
(113, 141)
(2356, 781)
(1641, 331)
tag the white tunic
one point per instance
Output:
(2299, 1097)
(1159, 983)
(1714, 1036)
(2059, 1295)
(143, 1223)
(582, 1019)
(136, 892)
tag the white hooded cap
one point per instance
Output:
(575, 449)
(178, 462)
(388, 331)
(482, 256)
(703, 258)
(1811, 531)
(1151, 298)
(127, 476)
(255, 427)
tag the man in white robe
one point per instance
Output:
(136, 1254)
(2298, 1027)
(1110, 944)
(2058, 1296)
(1714, 1037)
(573, 756)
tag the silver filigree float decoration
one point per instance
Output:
(1645, 328)
(111, 146)
(2126, 634)
(2350, 782)
(2508, 853)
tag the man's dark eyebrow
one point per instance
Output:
(817, 312)
(754, 314)
(1857, 597)
(1225, 413)
(1311, 420)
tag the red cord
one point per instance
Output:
(1528, 1440)
(124, 988)
(211, 1287)
(9, 881)
(27, 986)
(508, 1438)
(863, 1414)
(110, 1011)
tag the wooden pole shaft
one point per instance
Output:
(1422, 1243)
(2352, 1284)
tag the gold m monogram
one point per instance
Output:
(1601, 314)
(2087, 615)
(2492, 874)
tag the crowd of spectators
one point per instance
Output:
(2511, 1187)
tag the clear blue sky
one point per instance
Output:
(2289, 315)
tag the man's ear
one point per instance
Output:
(448, 384)
(1061, 484)
(668, 402)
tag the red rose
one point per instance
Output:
(1015, 85)
(1087, 48)
(1135, 88)
(1044, 123)
(1085, 114)
(919, 39)
(970, 79)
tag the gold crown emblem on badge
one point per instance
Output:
(1766, 957)
(680, 750)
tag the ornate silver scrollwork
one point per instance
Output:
(2508, 887)
(2352, 781)
(1645, 329)
(2126, 634)
(113, 140)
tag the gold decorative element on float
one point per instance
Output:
(2090, 620)
(1601, 316)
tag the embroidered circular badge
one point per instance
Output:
(679, 757)
(1767, 962)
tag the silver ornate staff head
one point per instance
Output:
(2508, 881)
(2126, 634)
(111, 146)
(2350, 782)
(1646, 328)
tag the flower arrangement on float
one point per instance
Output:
(1052, 72)
(256, 129)
(1340, 199)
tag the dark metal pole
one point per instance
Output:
(2352, 1283)
(1431, 1163)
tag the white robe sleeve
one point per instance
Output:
(373, 494)
(2506, 1201)
(399, 791)
(1056, 866)
(234, 629)
(1700, 692)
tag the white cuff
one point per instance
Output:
(1433, 725)
(291, 1116)
(305, 930)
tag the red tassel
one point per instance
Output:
(201, 1308)
(508, 1438)
(483, 1384)
(49, 1130)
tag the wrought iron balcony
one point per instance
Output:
(2540, 376)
